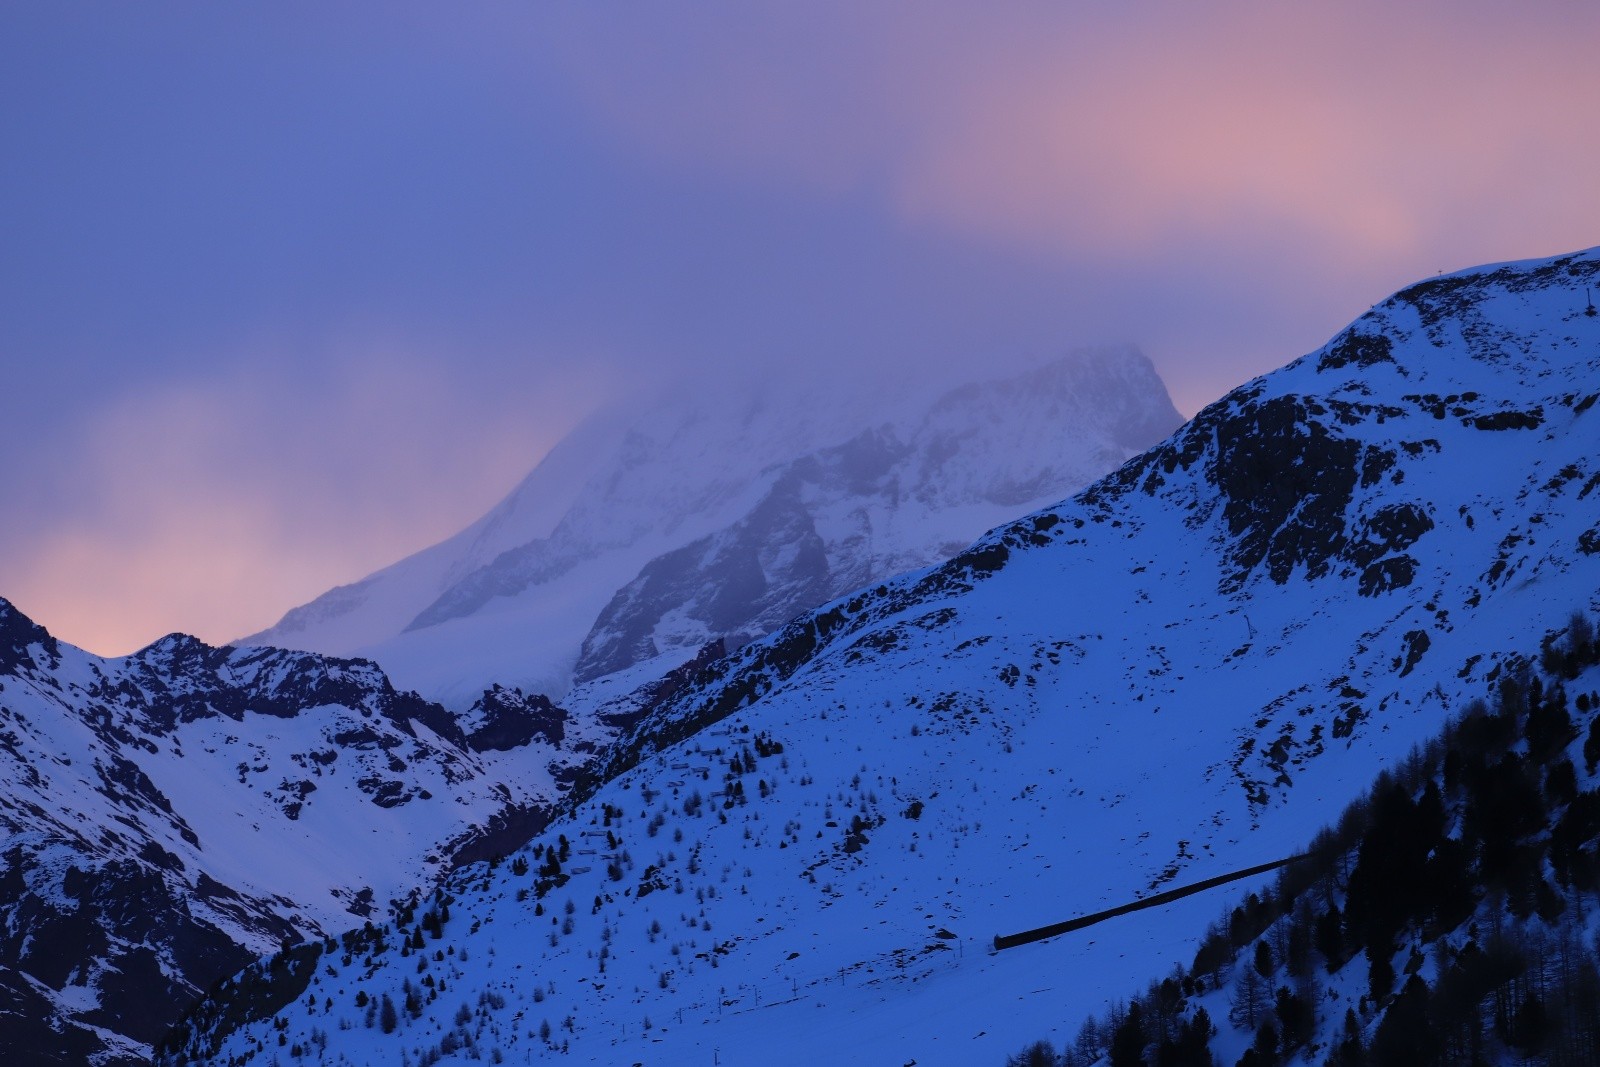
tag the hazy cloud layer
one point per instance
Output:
(211, 505)
(289, 292)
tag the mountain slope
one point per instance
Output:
(171, 814)
(1176, 674)
(1445, 917)
(645, 511)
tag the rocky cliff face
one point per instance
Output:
(504, 719)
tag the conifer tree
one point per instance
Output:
(1128, 1041)
(388, 1018)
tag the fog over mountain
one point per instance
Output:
(724, 511)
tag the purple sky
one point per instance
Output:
(288, 291)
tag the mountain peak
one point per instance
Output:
(793, 497)
(178, 643)
(18, 634)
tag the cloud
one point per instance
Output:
(212, 507)
(1268, 169)
(1352, 134)
(830, 188)
(1361, 138)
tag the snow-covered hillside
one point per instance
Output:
(804, 855)
(1447, 917)
(170, 814)
(724, 514)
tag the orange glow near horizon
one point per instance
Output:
(212, 509)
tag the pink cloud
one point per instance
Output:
(1360, 134)
(1282, 165)
(1365, 135)
(1268, 168)
(212, 508)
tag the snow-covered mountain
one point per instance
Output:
(722, 514)
(171, 814)
(808, 849)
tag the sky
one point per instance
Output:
(290, 291)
